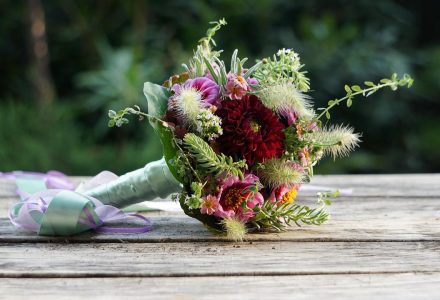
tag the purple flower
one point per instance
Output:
(208, 89)
(290, 115)
(252, 81)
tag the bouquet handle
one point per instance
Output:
(148, 183)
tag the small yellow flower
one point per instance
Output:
(289, 197)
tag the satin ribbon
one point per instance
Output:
(50, 206)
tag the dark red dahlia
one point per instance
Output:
(250, 130)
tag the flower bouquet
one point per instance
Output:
(242, 140)
(238, 144)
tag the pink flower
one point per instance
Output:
(312, 126)
(208, 89)
(284, 194)
(236, 87)
(290, 115)
(304, 156)
(252, 81)
(233, 192)
(209, 205)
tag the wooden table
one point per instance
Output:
(383, 241)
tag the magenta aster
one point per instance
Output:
(250, 130)
(208, 90)
(233, 192)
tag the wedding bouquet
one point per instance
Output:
(242, 140)
(238, 144)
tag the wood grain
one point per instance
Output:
(216, 259)
(353, 219)
(404, 286)
(383, 242)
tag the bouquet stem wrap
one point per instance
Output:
(153, 181)
(52, 205)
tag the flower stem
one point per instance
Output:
(350, 95)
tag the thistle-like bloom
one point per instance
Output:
(336, 141)
(236, 87)
(287, 101)
(277, 172)
(235, 228)
(209, 205)
(192, 96)
(233, 193)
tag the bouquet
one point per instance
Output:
(242, 140)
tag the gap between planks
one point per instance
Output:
(220, 275)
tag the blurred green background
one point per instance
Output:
(65, 63)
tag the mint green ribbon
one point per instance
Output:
(59, 218)
(63, 213)
(153, 181)
(70, 212)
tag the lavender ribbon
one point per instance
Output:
(50, 206)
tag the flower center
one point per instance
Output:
(210, 202)
(190, 99)
(232, 198)
(241, 79)
(255, 126)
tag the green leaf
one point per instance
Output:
(234, 61)
(157, 98)
(211, 70)
(327, 202)
(356, 88)
(252, 70)
(369, 83)
(347, 89)
(208, 160)
(349, 102)
(327, 115)
(111, 114)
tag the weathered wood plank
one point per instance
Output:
(216, 259)
(395, 185)
(353, 286)
(357, 219)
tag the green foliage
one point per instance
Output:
(273, 217)
(211, 32)
(283, 67)
(326, 197)
(195, 200)
(157, 98)
(118, 118)
(393, 83)
(208, 160)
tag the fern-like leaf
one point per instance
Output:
(208, 160)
